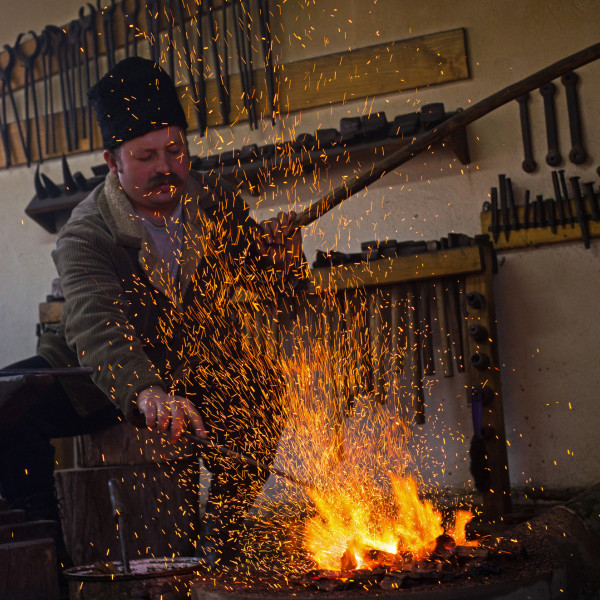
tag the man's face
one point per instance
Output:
(152, 169)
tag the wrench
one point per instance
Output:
(49, 125)
(577, 155)
(28, 60)
(582, 217)
(560, 201)
(529, 165)
(130, 19)
(593, 201)
(5, 76)
(107, 13)
(553, 158)
(86, 24)
(153, 29)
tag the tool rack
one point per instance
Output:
(475, 267)
(298, 85)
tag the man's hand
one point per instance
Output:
(280, 241)
(167, 412)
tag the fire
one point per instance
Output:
(349, 532)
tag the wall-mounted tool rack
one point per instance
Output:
(573, 214)
(471, 270)
(403, 319)
(336, 78)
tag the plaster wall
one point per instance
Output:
(547, 324)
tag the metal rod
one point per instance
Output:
(246, 459)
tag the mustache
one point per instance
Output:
(168, 179)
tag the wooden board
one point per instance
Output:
(375, 70)
(393, 270)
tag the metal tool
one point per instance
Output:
(118, 509)
(494, 212)
(107, 13)
(529, 165)
(222, 88)
(580, 211)
(592, 201)
(504, 206)
(553, 158)
(240, 50)
(47, 54)
(30, 92)
(188, 60)
(58, 37)
(130, 23)
(577, 155)
(550, 213)
(201, 106)
(540, 211)
(514, 211)
(5, 78)
(168, 12)
(265, 34)
(74, 58)
(248, 460)
(55, 372)
(565, 194)
(560, 201)
(86, 24)
(526, 209)
(153, 29)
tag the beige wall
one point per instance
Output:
(546, 298)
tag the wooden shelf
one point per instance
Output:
(537, 236)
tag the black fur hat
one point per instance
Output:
(134, 98)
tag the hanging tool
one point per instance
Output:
(30, 92)
(561, 202)
(47, 53)
(582, 217)
(494, 211)
(247, 45)
(5, 78)
(86, 24)
(565, 194)
(577, 155)
(130, 23)
(592, 200)
(529, 165)
(514, 211)
(58, 37)
(550, 213)
(222, 85)
(119, 517)
(153, 29)
(168, 12)
(73, 54)
(265, 34)
(201, 107)
(107, 13)
(526, 210)
(553, 158)
(504, 206)
(242, 62)
(188, 61)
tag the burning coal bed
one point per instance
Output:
(448, 562)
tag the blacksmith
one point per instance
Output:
(148, 263)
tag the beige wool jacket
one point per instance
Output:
(122, 316)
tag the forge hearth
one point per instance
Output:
(521, 563)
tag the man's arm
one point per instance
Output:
(97, 327)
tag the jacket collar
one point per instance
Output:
(119, 215)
